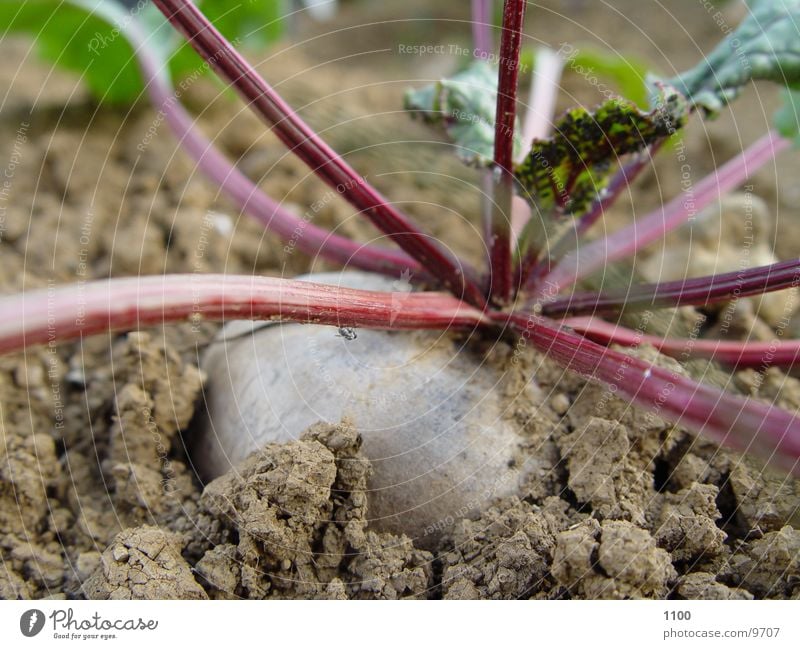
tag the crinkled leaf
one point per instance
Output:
(88, 37)
(766, 45)
(465, 106)
(564, 173)
(787, 117)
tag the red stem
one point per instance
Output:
(569, 241)
(653, 226)
(699, 291)
(741, 423)
(307, 237)
(622, 179)
(734, 353)
(505, 116)
(62, 313)
(320, 158)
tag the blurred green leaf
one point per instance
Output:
(627, 75)
(787, 117)
(80, 40)
(253, 23)
(88, 37)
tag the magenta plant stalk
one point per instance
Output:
(55, 314)
(537, 124)
(482, 42)
(740, 423)
(545, 82)
(699, 291)
(650, 228)
(481, 27)
(734, 353)
(319, 157)
(505, 117)
(308, 238)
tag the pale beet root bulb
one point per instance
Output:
(430, 413)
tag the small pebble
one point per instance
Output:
(120, 553)
(560, 403)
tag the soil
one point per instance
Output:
(98, 497)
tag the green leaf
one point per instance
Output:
(465, 106)
(564, 173)
(70, 36)
(248, 23)
(252, 23)
(89, 37)
(766, 45)
(627, 74)
(787, 117)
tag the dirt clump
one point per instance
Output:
(703, 585)
(686, 525)
(506, 553)
(769, 566)
(299, 513)
(611, 560)
(143, 563)
(606, 472)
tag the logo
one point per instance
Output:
(31, 622)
